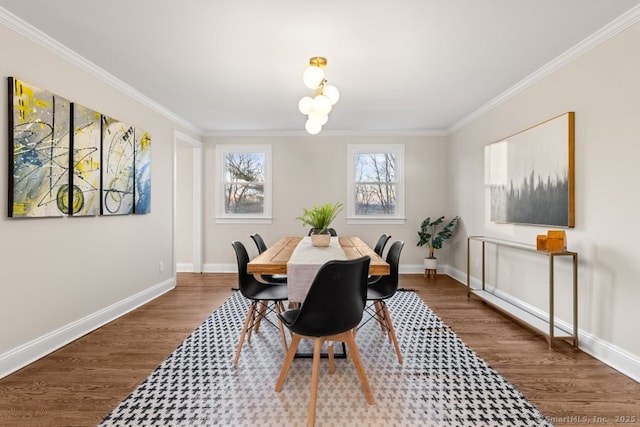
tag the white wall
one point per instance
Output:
(603, 88)
(313, 169)
(61, 277)
(184, 207)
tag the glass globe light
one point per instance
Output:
(332, 93)
(305, 105)
(321, 104)
(312, 77)
(318, 117)
(312, 126)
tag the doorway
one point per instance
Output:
(187, 203)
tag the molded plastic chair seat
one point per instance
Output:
(383, 288)
(260, 295)
(381, 243)
(331, 310)
(379, 249)
(262, 246)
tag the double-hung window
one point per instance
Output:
(375, 183)
(243, 183)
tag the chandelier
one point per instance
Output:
(318, 107)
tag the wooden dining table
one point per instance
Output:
(274, 259)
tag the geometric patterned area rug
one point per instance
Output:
(441, 383)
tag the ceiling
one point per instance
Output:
(400, 65)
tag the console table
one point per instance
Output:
(547, 327)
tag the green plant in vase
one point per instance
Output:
(319, 218)
(433, 234)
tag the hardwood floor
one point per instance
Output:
(80, 383)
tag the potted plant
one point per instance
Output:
(320, 218)
(431, 235)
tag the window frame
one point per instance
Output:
(246, 218)
(352, 151)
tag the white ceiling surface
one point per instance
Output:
(400, 65)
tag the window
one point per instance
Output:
(244, 183)
(376, 183)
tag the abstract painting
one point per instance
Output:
(67, 159)
(39, 151)
(118, 155)
(142, 200)
(530, 175)
(85, 146)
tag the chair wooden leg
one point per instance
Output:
(278, 305)
(317, 346)
(353, 349)
(332, 363)
(347, 358)
(254, 314)
(380, 315)
(242, 334)
(260, 313)
(392, 331)
(295, 341)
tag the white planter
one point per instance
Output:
(321, 240)
(430, 263)
(430, 266)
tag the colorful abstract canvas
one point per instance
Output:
(67, 159)
(118, 155)
(142, 200)
(85, 197)
(39, 151)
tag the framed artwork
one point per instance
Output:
(530, 175)
(142, 199)
(117, 167)
(39, 123)
(85, 146)
(67, 159)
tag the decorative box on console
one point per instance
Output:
(554, 241)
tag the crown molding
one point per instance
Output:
(602, 35)
(324, 133)
(25, 29)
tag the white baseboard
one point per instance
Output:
(220, 268)
(618, 358)
(184, 267)
(27, 353)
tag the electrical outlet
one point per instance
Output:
(476, 263)
(161, 266)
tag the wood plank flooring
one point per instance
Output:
(80, 383)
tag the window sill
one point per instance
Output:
(376, 220)
(254, 220)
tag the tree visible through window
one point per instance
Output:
(244, 183)
(375, 184)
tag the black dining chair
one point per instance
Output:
(379, 249)
(331, 231)
(381, 243)
(261, 246)
(331, 310)
(260, 296)
(380, 290)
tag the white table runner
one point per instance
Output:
(304, 263)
